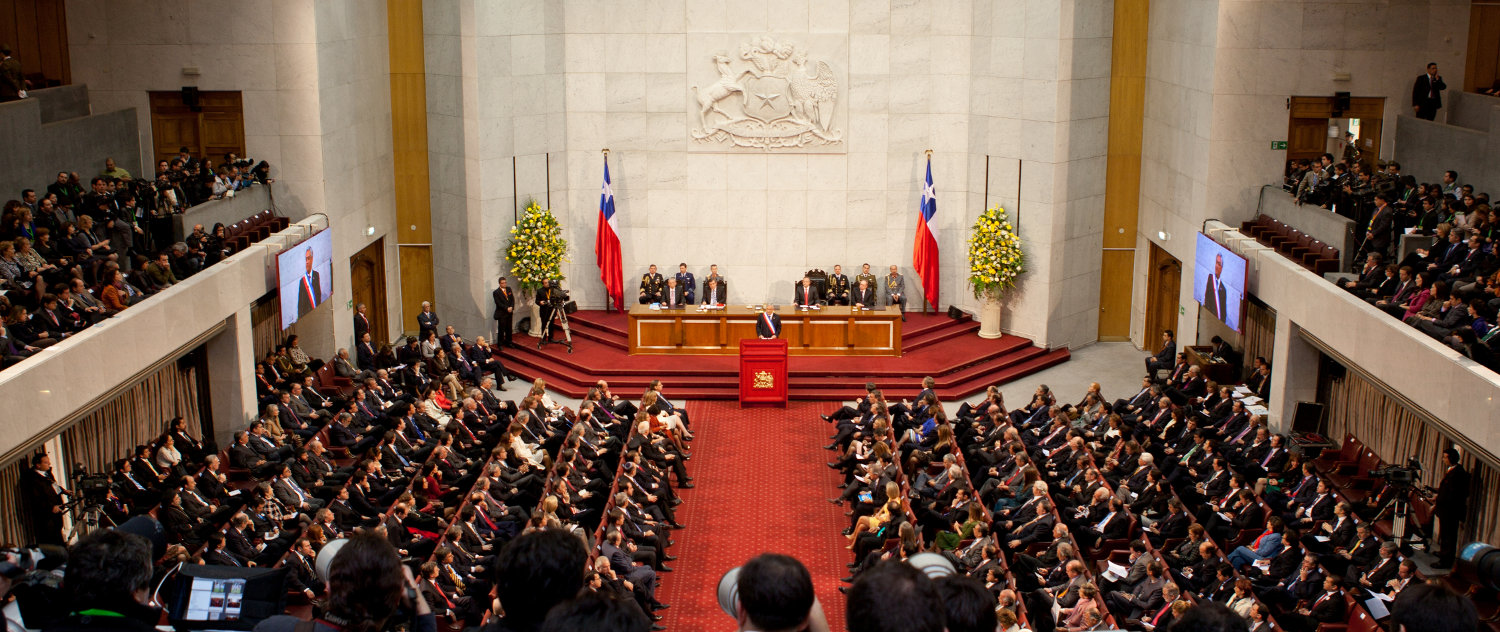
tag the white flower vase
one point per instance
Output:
(536, 320)
(989, 318)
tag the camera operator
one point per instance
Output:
(776, 593)
(1450, 507)
(107, 584)
(42, 496)
(551, 298)
(368, 589)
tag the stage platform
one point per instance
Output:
(933, 345)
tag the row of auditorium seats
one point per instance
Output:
(253, 229)
(1294, 244)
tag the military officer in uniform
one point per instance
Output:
(714, 276)
(864, 295)
(865, 276)
(895, 291)
(838, 287)
(685, 281)
(651, 286)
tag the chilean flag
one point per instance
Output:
(925, 253)
(607, 244)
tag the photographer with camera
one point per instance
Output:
(107, 584)
(368, 590)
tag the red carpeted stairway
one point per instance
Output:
(760, 485)
(934, 345)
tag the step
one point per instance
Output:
(913, 343)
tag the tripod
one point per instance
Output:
(560, 314)
(86, 519)
(1401, 508)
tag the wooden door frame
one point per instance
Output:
(1155, 300)
(1362, 108)
(160, 104)
(378, 312)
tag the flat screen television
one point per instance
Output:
(1219, 282)
(304, 276)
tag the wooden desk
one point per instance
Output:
(831, 331)
(1220, 373)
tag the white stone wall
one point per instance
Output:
(1219, 73)
(316, 89)
(1022, 80)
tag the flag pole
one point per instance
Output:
(608, 300)
(924, 294)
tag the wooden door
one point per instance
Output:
(211, 128)
(37, 33)
(367, 282)
(1483, 62)
(1162, 287)
(1306, 138)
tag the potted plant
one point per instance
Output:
(536, 252)
(995, 261)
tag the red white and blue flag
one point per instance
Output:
(925, 253)
(607, 244)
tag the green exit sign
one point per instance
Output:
(1278, 144)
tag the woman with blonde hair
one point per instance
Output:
(948, 540)
(875, 521)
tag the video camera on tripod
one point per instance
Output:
(1402, 477)
(91, 489)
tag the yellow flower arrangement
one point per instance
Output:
(536, 250)
(995, 256)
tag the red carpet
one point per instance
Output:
(760, 485)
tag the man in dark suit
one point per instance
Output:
(1378, 231)
(1450, 507)
(674, 296)
(804, 295)
(769, 324)
(712, 293)
(863, 296)
(42, 497)
(505, 309)
(1164, 358)
(361, 322)
(1327, 608)
(427, 320)
(838, 287)
(1427, 93)
(1214, 293)
(310, 291)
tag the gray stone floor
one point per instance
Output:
(1116, 366)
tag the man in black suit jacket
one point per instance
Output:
(1327, 608)
(713, 293)
(674, 296)
(1163, 359)
(1427, 93)
(310, 290)
(43, 501)
(804, 295)
(361, 322)
(1378, 231)
(1450, 507)
(863, 296)
(505, 308)
(769, 324)
(1214, 293)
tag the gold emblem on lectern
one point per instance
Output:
(764, 379)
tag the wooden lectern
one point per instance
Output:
(762, 372)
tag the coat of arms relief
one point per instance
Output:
(770, 95)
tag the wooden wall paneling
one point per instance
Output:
(37, 33)
(1163, 286)
(367, 280)
(52, 40)
(1122, 180)
(1482, 65)
(409, 149)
